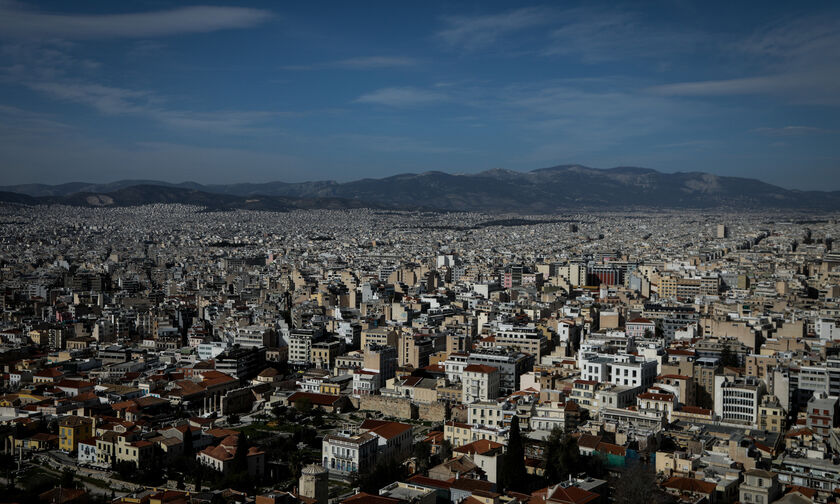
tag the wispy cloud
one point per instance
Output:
(803, 41)
(358, 63)
(116, 101)
(396, 144)
(796, 59)
(794, 131)
(772, 84)
(820, 87)
(15, 121)
(470, 33)
(595, 36)
(402, 97)
(17, 21)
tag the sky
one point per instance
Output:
(222, 92)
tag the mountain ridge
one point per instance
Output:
(542, 190)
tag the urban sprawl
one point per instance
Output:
(169, 354)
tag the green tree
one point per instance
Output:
(67, 478)
(423, 454)
(126, 470)
(561, 457)
(727, 358)
(383, 473)
(638, 486)
(304, 405)
(514, 475)
(240, 458)
(445, 450)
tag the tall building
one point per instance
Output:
(722, 231)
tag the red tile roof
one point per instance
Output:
(690, 485)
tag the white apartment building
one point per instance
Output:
(454, 366)
(345, 452)
(479, 383)
(737, 399)
(624, 370)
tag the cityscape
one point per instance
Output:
(397, 294)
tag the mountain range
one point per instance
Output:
(543, 191)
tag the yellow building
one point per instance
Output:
(330, 388)
(71, 430)
(771, 415)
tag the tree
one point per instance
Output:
(198, 476)
(514, 476)
(423, 453)
(304, 405)
(240, 458)
(125, 469)
(562, 456)
(445, 450)
(67, 478)
(727, 358)
(383, 473)
(188, 442)
(638, 486)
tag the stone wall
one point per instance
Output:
(397, 407)
(435, 412)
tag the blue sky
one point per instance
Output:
(260, 91)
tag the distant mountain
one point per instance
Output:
(145, 194)
(545, 190)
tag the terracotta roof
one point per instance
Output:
(385, 429)
(429, 482)
(690, 485)
(480, 368)
(315, 399)
(588, 441)
(571, 495)
(61, 495)
(480, 446)
(799, 433)
(678, 351)
(656, 397)
(612, 449)
(49, 373)
(471, 485)
(366, 498)
(807, 492)
(696, 410)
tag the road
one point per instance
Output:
(55, 462)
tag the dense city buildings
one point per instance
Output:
(165, 352)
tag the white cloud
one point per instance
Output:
(474, 32)
(359, 63)
(595, 36)
(794, 131)
(20, 22)
(384, 143)
(402, 97)
(117, 101)
(795, 59)
(820, 87)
